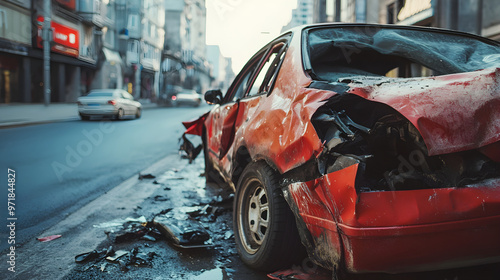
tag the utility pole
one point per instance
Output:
(46, 35)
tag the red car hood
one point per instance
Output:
(453, 113)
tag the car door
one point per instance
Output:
(256, 79)
(223, 116)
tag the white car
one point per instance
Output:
(108, 102)
(187, 96)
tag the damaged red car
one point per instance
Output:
(375, 147)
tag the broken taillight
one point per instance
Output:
(112, 102)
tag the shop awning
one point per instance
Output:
(112, 56)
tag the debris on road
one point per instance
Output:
(296, 273)
(85, 257)
(228, 234)
(146, 176)
(48, 238)
(161, 198)
(183, 233)
(118, 254)
(118, 223)
(89, 256)
(132, 232)
(188, 147)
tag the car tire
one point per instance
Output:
(119, 114)
(84, 118)
(138, 113)
(264, 226)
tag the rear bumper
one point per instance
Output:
(422, 247)
(101, 110)
(180, 101)
(400, 231)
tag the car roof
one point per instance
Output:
(387, 26)
(106, 90)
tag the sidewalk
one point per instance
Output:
(19, 114)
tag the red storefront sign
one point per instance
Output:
(70, 4)
(65, 39)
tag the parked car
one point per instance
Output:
(167, 98)
(108, 103)
(187, 97)
(378, 146)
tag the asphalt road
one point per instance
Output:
(62, 166)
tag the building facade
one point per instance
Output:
(74, 51)
(16, 39)
(184, 62)
(303, 14)
(140, 26)
(473, 16)
(94, 44)
(361, 11)
(222, 72)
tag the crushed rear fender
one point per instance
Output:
(453, 113)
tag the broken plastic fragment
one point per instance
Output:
(118, 254)
(48, 238)
(183, 233)
(85, 257)
(188, 147)
(228, 234)
(146, 176)
(149, 238)
(299, 274)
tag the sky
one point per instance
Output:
(242, 27)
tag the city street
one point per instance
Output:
(96, 201)
(62, 166)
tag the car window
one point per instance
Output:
(237, 91)
(259, 72)
(127, 95)
(269, 70)
(97, 93)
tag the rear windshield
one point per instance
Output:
(107, 94)
(337, 53)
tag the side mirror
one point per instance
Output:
(213, 96)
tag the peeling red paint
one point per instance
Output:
(453, 113)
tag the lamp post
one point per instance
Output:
(46, 35)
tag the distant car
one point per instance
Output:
(187, 96)
(378, 146)
(108, 103)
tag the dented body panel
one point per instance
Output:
(373, 167)
(457, 227)
(453, 113)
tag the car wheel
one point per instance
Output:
(119, 115)
(138, 113)
(84, 118)
(264, 226)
